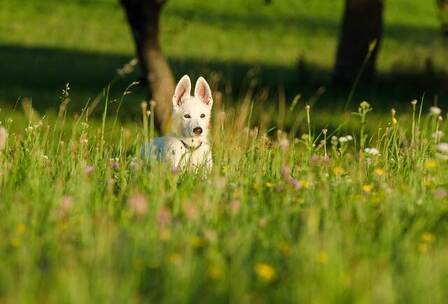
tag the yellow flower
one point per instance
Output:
(379, 171)
(428, 237)
(175, 258)
(430, 164)
(269, 185)
(322, 258)
(215, 272)
(196, 241)
(305, 183)
(16, 243)
(284, 248)
(265, 272)
(367, 188)
(338, 171)
(21, 228)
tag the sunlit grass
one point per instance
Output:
(320, 215)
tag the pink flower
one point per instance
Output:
(88, 170)
(234, 206)
(138, 204)
(286, 174)
(164, 216)
(65, 206)
(190, 211)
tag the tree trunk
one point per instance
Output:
(362, 24)
(443, 15)
(144, 17)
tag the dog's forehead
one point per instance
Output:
(193, 105)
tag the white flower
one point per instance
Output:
(436, 111)
(349, 137)
(3, 138)
(343, 139)
(442, 148)
(372, 151)
(438, 135)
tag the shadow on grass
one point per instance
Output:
(41, 74)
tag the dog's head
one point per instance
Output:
(191, 114)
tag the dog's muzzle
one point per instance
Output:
(197, 131)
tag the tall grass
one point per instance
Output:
(323, 217)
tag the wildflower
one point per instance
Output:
(138, 204)
(190, 211)
(430, 164)
(175, 258)
(283, 143)
(3, 138)
(438, 135)
(265, 272)
(215, 272)
(440, 193)
(435, 111)
(286, 174)
(427, 237)
(114, 164)
(372, 151)
(338, 171)
(442, 148)
(65, 205)
(234, 207)
(21, 228)
(164, 216)
(367, 188)
(343, 139)
(379, 171)
(322, 257)
(88, 170)
(414, 102)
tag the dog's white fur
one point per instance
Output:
(185, 147)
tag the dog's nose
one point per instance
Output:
(197, 130)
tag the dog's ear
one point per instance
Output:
(182, 90)
(203, 92)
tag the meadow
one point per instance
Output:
(304, 204)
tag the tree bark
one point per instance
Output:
(443, 14)
(362, 24)
(144, 19)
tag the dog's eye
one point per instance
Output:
(187, 116)
(202, 115)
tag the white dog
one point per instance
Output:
(187, 145)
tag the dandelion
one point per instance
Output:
(322, 257)
(427, 237)
(430, 164)
(435, 111)
(265, 272)
(3, 138)
(138, 204)
(379, 171)
(338, 171)
(372, 151)
(367, 188)
(215, 272)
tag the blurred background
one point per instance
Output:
(334, 53)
